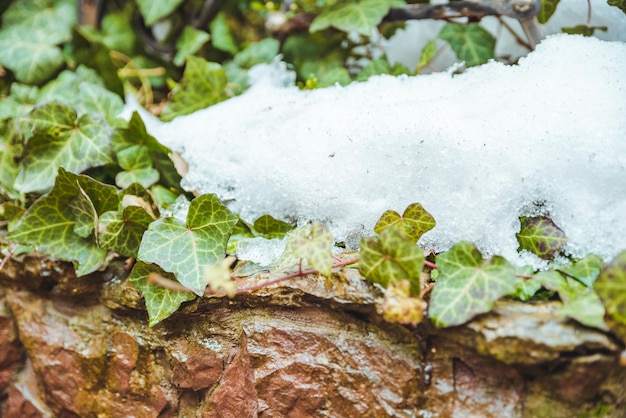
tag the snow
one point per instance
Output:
(477, 150)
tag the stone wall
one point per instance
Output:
(311, 347)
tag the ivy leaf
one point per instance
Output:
(85, 214)
(94, 98)
(468, 285)
(527, 287)
(547, 10)
(611, 287)
(390, 257)
(586, 308)
(583, 30)
(257, 53)
(471, 43)
(270, 227)
(358, 16)
(186, 249)
(31, 31)
(136, 162)
(50, 221)
(540, 236)
(221, 35)
(621, 4)
(136, 134)
(585, 270)
(312, 244)
(122, 232)
(428, 53)
(62, 140)
(202, 85)
(21, 100)
(160, 302)
(414, 222)
(189, 43)
(154, 10)
(381, 66)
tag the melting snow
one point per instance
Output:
(477, 150)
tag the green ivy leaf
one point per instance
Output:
(471, 43)
(310, 244)
(95, 99)
(270, 227)
(122, 232)
(154, 10)
(527, 287)
(221, 35)
(586, 308)
(381, 66)
(621, 4)
(22, 99)
(116, 32)
(414, 222)
(50, 221)
(468, 285)
(583, 30)
(611, 287)
(540, 236)
(11, 213)
(189, 43)
(202, 85)
(585, 270)
(547, 10)
(160, 302)
(31, 31)
(326, 77)
(428, 53)
(357, 16)
(162, 196)
(85, 214)
(10, 148)
(61, 140)
(257, 53)
(186, 249)
(136, 134)
(136, 162)
(391, 257)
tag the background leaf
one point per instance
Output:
(611, 287)
(414, 222)
(154, 10)
(471, 43)
(391, 257)
(540, 236)
(357, 16)
(160, 302)
(621, 4)
(468, 285)
(189, 43)
(547, 10)
(311, 244)
(270, 227)
(186, 249)
(202, 85)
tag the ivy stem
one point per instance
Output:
(430, 264)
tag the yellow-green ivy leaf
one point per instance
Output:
(270, 227)
(547, 10)
(185, 249)
(189, 43)
(611, 287)
(310, 244)
(154, 10)
(160, 302)
(468, 285)
(540, 236)
(122, 232)
(137, 165)
(359, 16)
(414, 222)
(391, 257)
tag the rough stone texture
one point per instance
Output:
(312, 347)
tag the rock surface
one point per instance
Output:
(311, 347)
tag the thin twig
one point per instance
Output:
(518, 39)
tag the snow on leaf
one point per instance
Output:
(160, 302)
(414, 222)
(611, 287)
(468, 285)
(585, 270)
(202, 85)
(471, 43)
(270, 227)
(547, 10)
(185, 249)
(358, 16)
(540, 236)
(122, 232)
(391, 257)
(50, 221)
(310, 244)
(136, 162)
(154, 10)
(61, 140)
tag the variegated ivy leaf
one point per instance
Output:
(310, 244)
(414, 222)
(160, 302)
(122, 232)
(391, 257)
(270, 227)
(186, 248)
(611, 287)
(359, 16)
(468, 285)
(540, 236)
